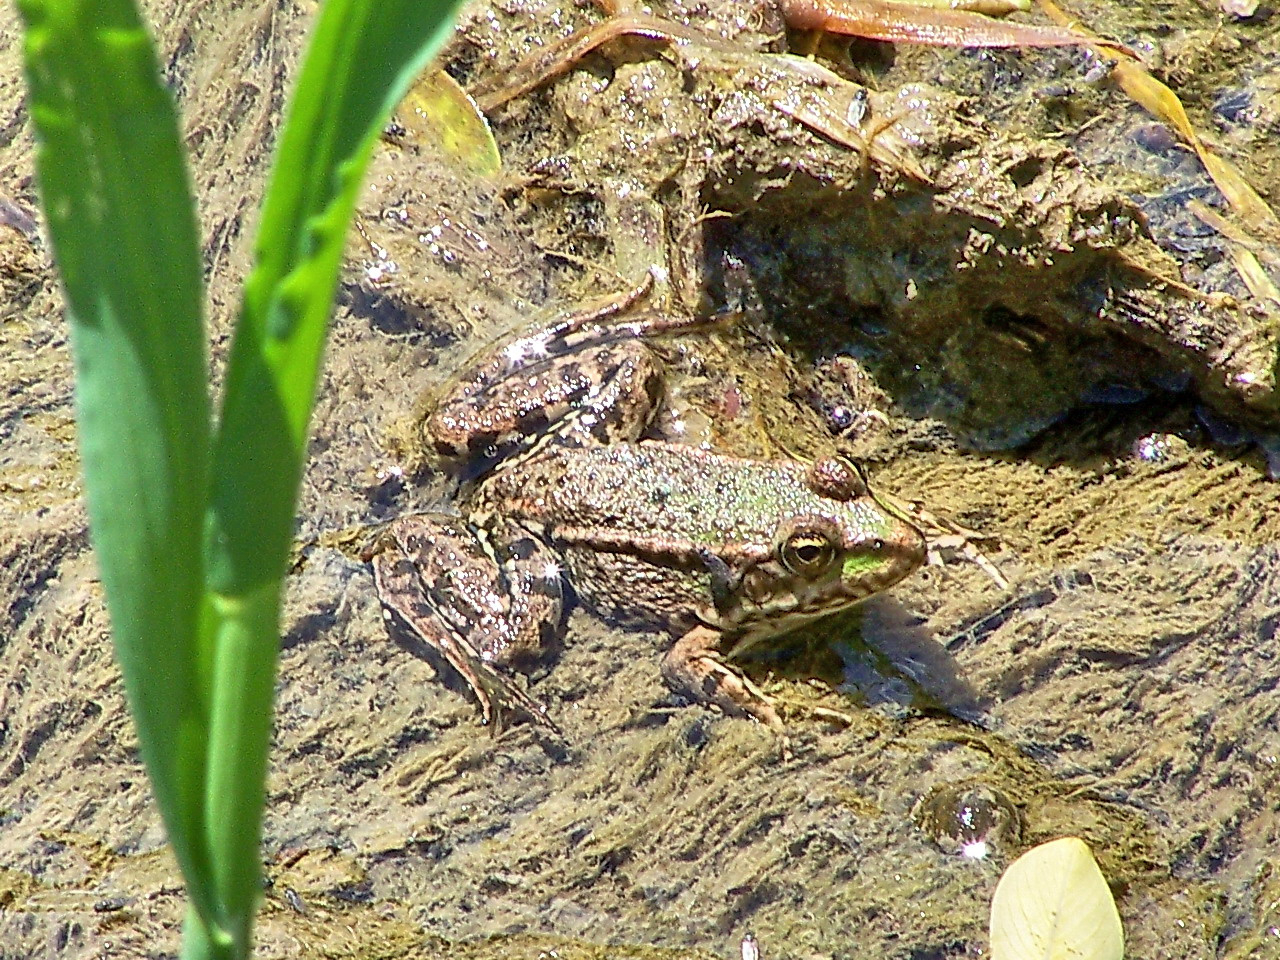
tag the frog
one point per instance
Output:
(565, 497)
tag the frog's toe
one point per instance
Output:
(503, 701)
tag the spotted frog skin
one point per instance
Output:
(720, 552)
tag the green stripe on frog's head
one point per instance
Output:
(878, 552)
(838, 559)
(860, 564)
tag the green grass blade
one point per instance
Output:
(243, 684)
(120, 214)
(362, 58)
(192, 531)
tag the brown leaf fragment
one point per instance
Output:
(938, 26)
(1162, 103)
(1242, 253)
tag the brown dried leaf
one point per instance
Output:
(939, 26)
(1158, 100)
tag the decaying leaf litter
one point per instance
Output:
(996, 339)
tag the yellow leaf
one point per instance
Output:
(1053, 904)
(438, 111)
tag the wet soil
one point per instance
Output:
(989, 287)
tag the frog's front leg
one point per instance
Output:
(482, 602)
(695, 667)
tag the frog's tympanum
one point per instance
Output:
(720, 552)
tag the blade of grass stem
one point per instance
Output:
(362, 58)
(196, 629)
(121, 218)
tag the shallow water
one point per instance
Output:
(1120, 689)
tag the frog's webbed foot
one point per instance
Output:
(443, 585)
(693, 666)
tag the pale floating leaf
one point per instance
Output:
(1054, 904)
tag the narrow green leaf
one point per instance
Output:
(192, 549)
(235, 789)
(362, 57)
(120, 214)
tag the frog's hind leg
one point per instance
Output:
(494, 403)
(597, 384)
(603, 390)
(442, 582)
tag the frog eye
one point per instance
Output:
(807, 553)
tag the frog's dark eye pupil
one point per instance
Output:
(808, 552)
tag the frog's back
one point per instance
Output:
(658, 490)
(636, 523)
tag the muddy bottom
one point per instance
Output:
(998, 303)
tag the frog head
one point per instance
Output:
(841, 547)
